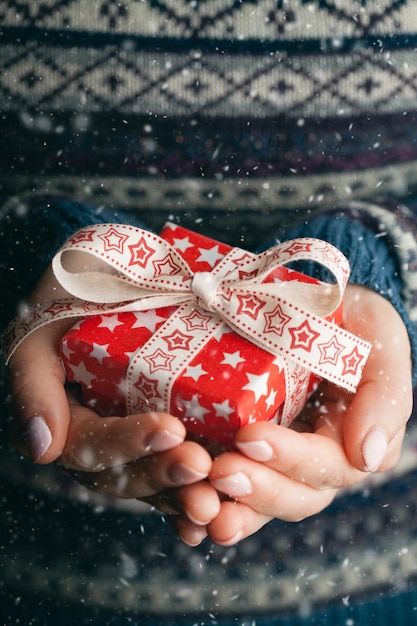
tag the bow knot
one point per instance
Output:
(204, 285)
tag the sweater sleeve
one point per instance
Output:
(382, 251)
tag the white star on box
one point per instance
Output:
(232, 358)
(279, 362)
(110, 321)
(99, 352)
(223, 409)
(81, 374)
(194, 372)
(147, 319)
(182, 244)
(66, 351)
(193, 408)
(271, 399)
(258, 384)
(209, 256)
(122, 387)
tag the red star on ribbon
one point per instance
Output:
(114, 240)
(247, 275)
(84, 235)
(177, 341)
(159, 361)
(303, 336)
(330, 351)
(58, 307)
(276, 321)
(330, 254)
(31, 318)
(245, 257)
(140, 253)
(196, 321)
(249, 305)
(297, 246)
(147, 386)
(166, 266)
(351, 362)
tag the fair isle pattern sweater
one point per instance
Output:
(264, 104)
(271, 108)
(204, 110)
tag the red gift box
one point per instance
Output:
(215, 335)
(229, 383)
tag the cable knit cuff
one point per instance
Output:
(382, 258)
(396, 226)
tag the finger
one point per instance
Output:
(199, 502)
(190, 533)
(37, 381)
(190, 509)
(383, 403)
(314, 459)
(266, 491)
(96, 443)
(183, 465)
(235, 522)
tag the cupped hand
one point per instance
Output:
(293, 473)
(139, 456)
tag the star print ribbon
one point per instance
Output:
(110, 268)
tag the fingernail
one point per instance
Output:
(234, 485)
(257, 450)
(194, 537)
(181, 474)
(374, 448)
(38, 437)
(161, 440)
(232, 541)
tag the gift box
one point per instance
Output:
(217, 336)
(229, 382)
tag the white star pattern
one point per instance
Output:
(232, 358)
(182, 244)
(258, 384)
(211, 256)
(194, 372)
(81, 374)
(66, 351)
(223, 409)
(99, 352)
(271, 399)
(122, 387)
(110, 321)
(278, 361)
(147, 319)
(193, 409)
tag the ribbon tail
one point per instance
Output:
(297, 381)
(285, 330)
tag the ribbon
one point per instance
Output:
(110, 268)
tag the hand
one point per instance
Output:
(339, 439)
(135, 457)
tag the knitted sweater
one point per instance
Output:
(244, 120)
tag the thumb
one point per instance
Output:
(375, 424)
(41, 421)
